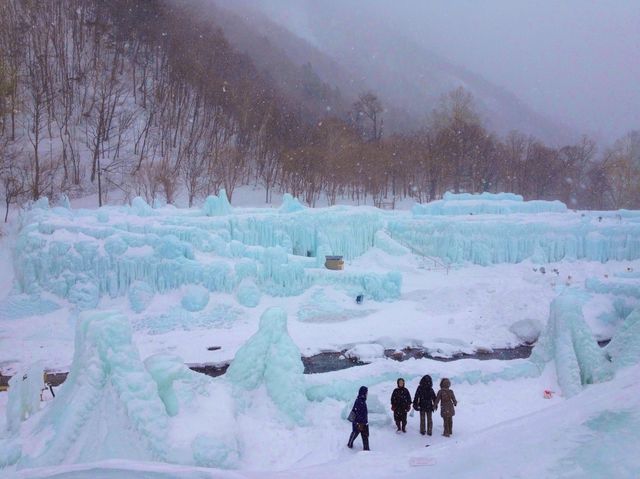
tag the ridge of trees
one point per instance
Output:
(148, 97)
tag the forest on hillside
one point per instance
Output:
(149, 98)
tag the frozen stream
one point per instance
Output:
(335, 360)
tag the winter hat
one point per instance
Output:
(363, 391)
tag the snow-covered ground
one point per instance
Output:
(421, 289)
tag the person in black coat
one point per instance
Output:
(361, 420)
(424, 401)
(400, 405)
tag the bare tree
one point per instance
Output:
(622, 166)
(368, 110)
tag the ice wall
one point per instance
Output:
(568, 341)
(486, 203)
(543, 238)
(271, 359)
(138, 251)
(83, 255)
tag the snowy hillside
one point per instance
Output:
(125, 298)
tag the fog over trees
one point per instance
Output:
(169, 100)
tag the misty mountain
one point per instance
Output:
(355, 51)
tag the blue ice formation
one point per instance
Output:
(486, 204)
(108, 251)
(618, 288)
(25, 388)
(140, 207)
(248, 293)
(83, 255)
(84, 294)
(114, 406)
(322, 309)
(107, 387)
(504, 239)
(290, 204)
(569, 342)
(166, 369)
(271, 358)
(347, 390)
(217, 205)
(220, 316)
(390, 246)
(22, 306)
(377, 411)
(624, 348)
(195, 298)
(214, 451)
(140, 296)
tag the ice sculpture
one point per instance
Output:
(290, 204)
(568, 341)
(109, 403)
(140, 207)
(248, 293)
(271, 358)
(217, 205)
(624, 348)
(25, 388)
(165, 369)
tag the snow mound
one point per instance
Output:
(271, 358)
(527, 330)
(366, 352)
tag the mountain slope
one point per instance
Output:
(372, 55)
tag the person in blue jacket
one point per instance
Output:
(361, 420)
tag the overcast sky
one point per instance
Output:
(577, 61)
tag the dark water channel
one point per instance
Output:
(336, 360)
